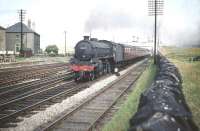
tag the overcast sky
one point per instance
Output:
(117, 20)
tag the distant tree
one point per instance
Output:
(52, 49)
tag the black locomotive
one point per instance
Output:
(95, 57)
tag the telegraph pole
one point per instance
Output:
(155, 32)
(155, 8)
(21, 16)
(65, 42)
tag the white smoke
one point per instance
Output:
(108, 19)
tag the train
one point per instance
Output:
(94, 57)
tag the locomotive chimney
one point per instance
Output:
(86, 37)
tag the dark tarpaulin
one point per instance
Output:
(162, 107)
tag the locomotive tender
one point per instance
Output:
(95, 57)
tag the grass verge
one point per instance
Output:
(120, 121)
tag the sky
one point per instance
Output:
(117, 20)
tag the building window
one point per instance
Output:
(17, 47)
(17, 36)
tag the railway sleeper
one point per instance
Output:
(30, 113)
(2, 115)
(42, 108)
(7, 125)
(16, 120)
(56, 100)
(7, 111)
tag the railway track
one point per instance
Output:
(15, 110)
(23, 68)
(33, 81)
(85, 116)
(17, 91)
(17, 75)
(17, 64)
(11, 110)
(36, 74)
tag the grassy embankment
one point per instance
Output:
(120, 121)
(190, 72)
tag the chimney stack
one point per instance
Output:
(29, 23)
(33, 25)
(86, 37)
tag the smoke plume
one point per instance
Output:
(190, 36)
(107, 19)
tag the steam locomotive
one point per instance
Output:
(96, 57)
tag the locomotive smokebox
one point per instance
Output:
(86, 37)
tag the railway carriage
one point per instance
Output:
(96, 57)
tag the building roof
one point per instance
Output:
(2, 28)
(16, 28)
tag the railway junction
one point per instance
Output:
(45, 97)
(39, 95)
(135, 69)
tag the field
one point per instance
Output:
(190, 71)
(120, 121)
